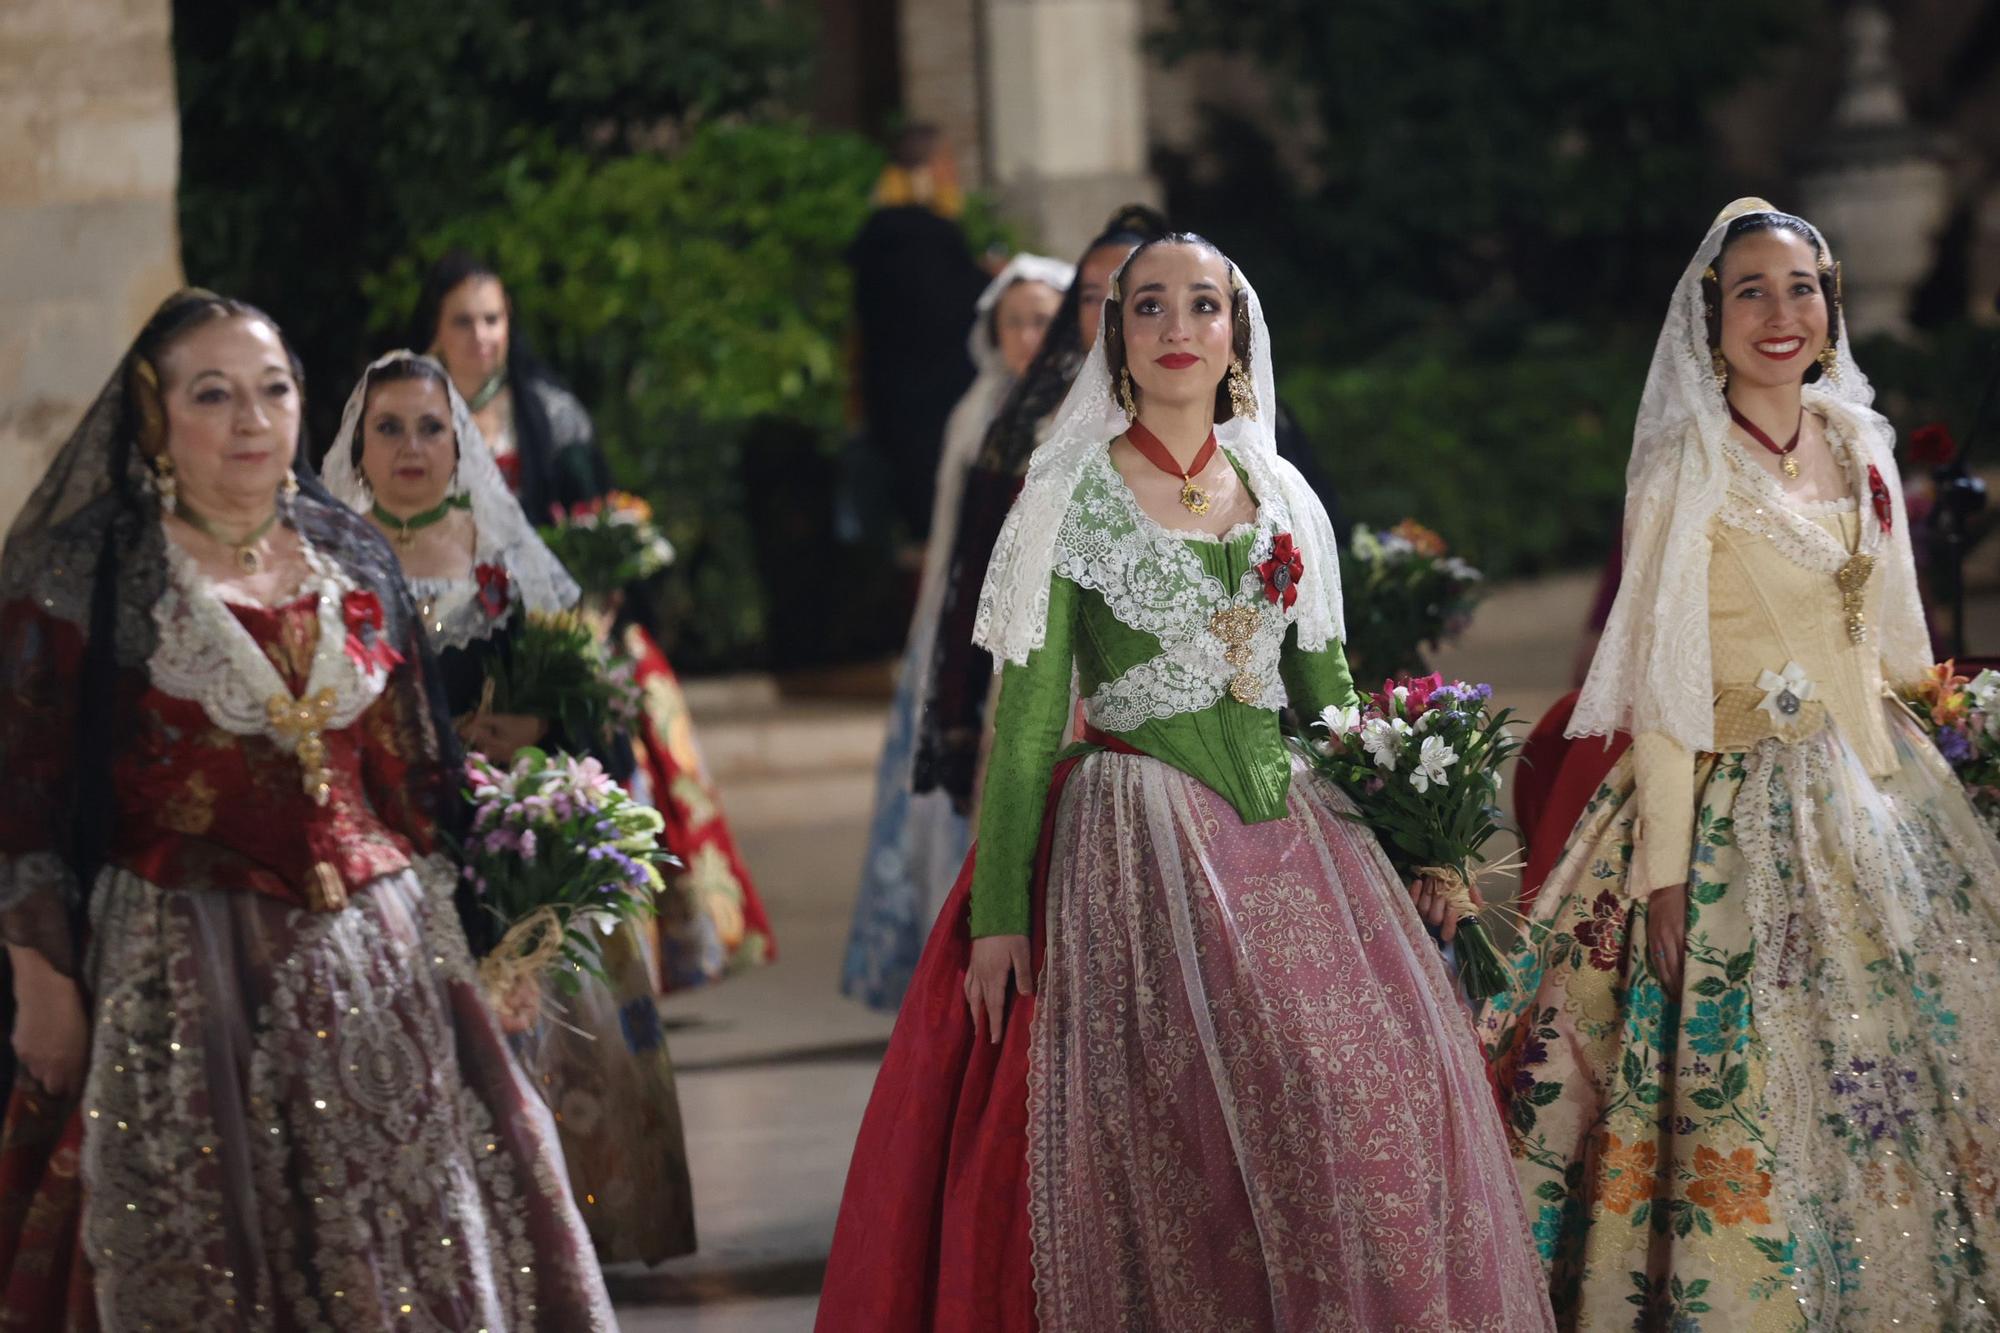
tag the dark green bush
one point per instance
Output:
(1516, 457)
(692, 301)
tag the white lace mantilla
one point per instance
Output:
(452, 613)
(1152, 582)
(206, 656)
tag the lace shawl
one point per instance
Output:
(1652, 672)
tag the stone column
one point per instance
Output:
(1065, 114)
(1876, 185)
(89, 159)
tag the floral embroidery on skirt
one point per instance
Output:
(1810, 1137)
(1254, 1102)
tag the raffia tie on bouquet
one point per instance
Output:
(1458, 886)
(529, 948)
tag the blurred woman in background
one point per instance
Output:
(542, 439)
(915, 842)
(409, 457)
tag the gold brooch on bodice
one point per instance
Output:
(1853, 580)
(1236, 626)
(300, 722)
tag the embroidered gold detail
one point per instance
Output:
(1236, 626)
(190, 810)
(325, 890)
(1853, 580)
(300, 722)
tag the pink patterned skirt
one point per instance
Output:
(1253, 1101)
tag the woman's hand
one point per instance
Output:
(500, 736)
(996, 958)
(1666, 935)
(521, 1007)
(1434, 905)
(51, 1033)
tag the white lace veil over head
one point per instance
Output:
(505, 536)
(981, 344)
(1652, 671)
(1014, 603)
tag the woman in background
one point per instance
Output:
(409, 457)
(916, 842)
(548, 453)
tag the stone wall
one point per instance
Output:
(89, 157)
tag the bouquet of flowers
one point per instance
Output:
(1963, 718)
(560, 855)
(1421, 762)
(1405, 592)
(608, 544)
(555, 667)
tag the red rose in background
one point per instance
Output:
(1879, 494)
(1932, 445)
(1282, 572)
(366, 644)
(495, 590)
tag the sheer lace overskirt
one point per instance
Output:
(1013, 615)
(1254, 1102)
(310, 1118)
(1652, 669)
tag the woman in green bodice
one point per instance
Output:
(1232, 1087)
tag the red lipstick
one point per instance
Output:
(1176, 360)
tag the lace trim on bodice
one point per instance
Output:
(207, 656)
(1152, 582)
(1757, 505)
(451, 614)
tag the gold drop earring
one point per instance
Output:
(1242, 398)
(164, 482)
(1125, 398)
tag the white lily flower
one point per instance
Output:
(1383, 737)
(1340, 721)
(1432, 761)
(1984, 689)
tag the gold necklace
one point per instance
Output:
(245, 550)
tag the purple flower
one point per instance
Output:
(1954, 745)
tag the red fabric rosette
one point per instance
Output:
(1878, 493)
(366, 643)
(495, 590)
(1282, 572)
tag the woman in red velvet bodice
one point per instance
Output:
(258, 1086)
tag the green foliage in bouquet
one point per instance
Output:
(555, 668)
(1421, 762)
(1405, 593)
(608, 545)
(560, 855)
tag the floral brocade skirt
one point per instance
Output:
(306, 1120)
(1253, 1101)
(712, 922)
(599, 1057)
(1808, 1136)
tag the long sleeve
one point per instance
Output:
(1663, 771)
(400, 759)
(1315, 681)
(1028, 729)
(40, 658)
